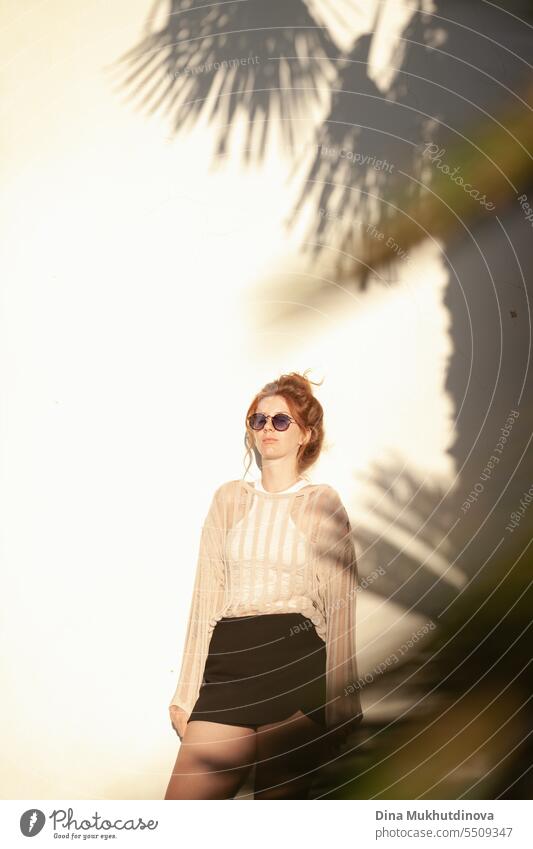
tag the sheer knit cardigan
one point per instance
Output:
(328, 598)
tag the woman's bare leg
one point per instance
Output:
(213, 761)
(288, 755)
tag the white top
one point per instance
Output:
(256, 547)
(294, 488)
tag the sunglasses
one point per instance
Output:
(280, 421)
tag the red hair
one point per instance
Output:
(304, 407)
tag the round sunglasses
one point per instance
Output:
(280, 421)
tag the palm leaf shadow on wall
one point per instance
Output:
(229, 59)
(366, 181)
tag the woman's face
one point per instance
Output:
(275, 444)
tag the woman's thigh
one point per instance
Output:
(212, 762)
(288, 754)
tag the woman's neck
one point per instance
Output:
(279, 483)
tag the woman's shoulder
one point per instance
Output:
(231, 486)
(329, 492)
(227, 489)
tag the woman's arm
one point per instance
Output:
(338, 589)
(207, 600)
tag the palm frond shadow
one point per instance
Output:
(363, 146)
(265, 62)
(415, 544)
(370, 182)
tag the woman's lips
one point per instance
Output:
(269, 439)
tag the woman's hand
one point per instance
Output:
(179, 719)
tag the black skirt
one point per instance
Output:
(261, 669)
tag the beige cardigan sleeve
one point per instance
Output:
(207, 600)
(338, 586)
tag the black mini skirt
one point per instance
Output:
(261, 669)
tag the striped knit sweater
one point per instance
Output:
(277, 552)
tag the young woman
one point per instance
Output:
(269, 671)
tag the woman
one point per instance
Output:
(269, 672)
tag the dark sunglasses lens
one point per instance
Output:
(257, 421)
(281, 421)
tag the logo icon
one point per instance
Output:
(31, 822)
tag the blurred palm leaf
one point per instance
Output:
(466, 728)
